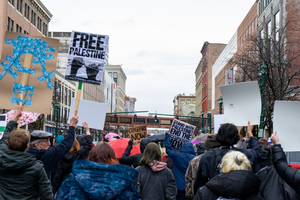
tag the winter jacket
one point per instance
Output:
(159, 185)
(290, 175)
(64, 166)
(240, 184)
(190, 177)
(51, 156)
(90, 180)
(205, 165)
(263, 161)
(180, 159)
(21, 175)
(135, 159)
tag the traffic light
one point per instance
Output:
(155, 119)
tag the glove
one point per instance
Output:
(130, 142)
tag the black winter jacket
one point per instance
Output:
(52, 155)
(21, 175)
(241, 184)
(135, 159)
(203, 173)
(64, 166)
(290, 175)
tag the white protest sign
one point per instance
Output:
(242, 103)
(86, 58)
(218, 121)
(180, 132)
(91, 112)
(2, 124)
(286, 124)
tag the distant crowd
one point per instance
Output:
(34, 165)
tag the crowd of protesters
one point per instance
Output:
(226, 166)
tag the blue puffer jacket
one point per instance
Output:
(90, 180)
(180, 159)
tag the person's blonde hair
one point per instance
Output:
(235, 160)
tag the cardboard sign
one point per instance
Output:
(138, 133)
(27, 72)
(180, 132)
(242, 103)
(286, 124)
(91, 112)
(86, 58)
(2, 124)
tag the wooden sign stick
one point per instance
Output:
(25, 77)
(77, 98)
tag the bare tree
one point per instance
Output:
(273, 59)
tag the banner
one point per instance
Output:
(180, 132)
(228, 77)
(286, 119)
(137, 133)
(2, 124)
(242, 103)
(27, 72)
(86, 58)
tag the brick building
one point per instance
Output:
(23, 16)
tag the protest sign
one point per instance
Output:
(137, 133)
(86, 58)
(218, 121)
(286, 124)
(91, 112)
(27, 72)
(180, 132)
(2, 124)
(242, 103)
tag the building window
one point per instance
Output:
(27, 10)
(70, 97)
(18, 29)
(182, 102)
(33, 16)
(12, 2)
(277, 25)
(194, 102)
(188, 102)
(19, 5)
(116, 77)
(39, 23)
(110, 74)
(25, 32)
(66, 95)
(45, 29)
(10, 24)
(73, 94)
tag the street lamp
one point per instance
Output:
(202, 113)
(261, 73)
(56, 105)
(220, 100)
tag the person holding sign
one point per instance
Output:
(290, 175)
(22, 176)
(181, 161)
(40, 143)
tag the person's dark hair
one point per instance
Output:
(103, 153)
(18, 140)
(228, 135)
(151, 153)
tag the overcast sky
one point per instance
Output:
(157, 43)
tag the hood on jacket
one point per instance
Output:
(102, 181)
(157, 166)
(235, 184)
(16, 161)
(38, 153)
(144, 143)
(188, 148)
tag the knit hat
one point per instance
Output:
(210, 142)
(59, 139)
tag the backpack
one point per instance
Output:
(216, 160)
(272, 186)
